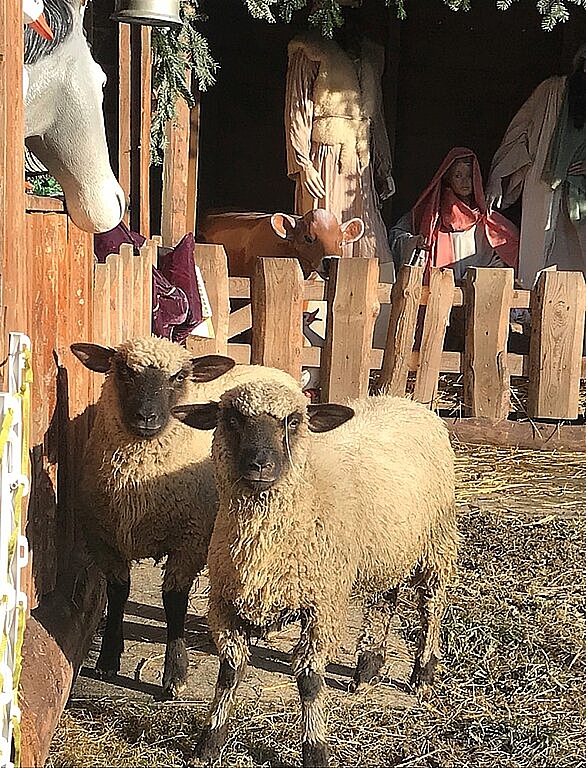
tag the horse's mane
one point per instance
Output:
(60, 18)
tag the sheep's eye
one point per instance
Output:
(125, 372)
(293, 422)
(233, 422)
(179, 378)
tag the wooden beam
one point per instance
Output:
(437, 315)
(124, 112)
(555, 351)
(488, 295)
(538, 436)
(277, 309)
(211, 259)
(352, 310)
(405, 302)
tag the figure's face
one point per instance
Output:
(459, 178)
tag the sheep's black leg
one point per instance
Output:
(431, 590)
(309, 666)
(108, 663)
(311, 687)
(176, 658)
(378, 613)
(232, 669)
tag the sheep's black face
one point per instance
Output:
(261, 446)
(147, 396)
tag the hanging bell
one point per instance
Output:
(154, 13)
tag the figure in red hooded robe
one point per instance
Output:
(449, 225)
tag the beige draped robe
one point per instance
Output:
(348, 180)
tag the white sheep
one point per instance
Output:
(147, 487)
(304, 518)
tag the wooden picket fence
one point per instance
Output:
(413, 359)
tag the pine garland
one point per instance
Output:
(176, 52)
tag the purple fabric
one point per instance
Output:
(177, 266)
(110, 242)
(170, 307)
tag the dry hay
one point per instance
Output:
(511, 691)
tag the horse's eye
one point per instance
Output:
(308, 239)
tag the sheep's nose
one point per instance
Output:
(261, 467)
(148, 417)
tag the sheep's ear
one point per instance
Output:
(210, 367)
(94, 356)
(197, 415)
(352, 230)
(326, 416)
(283, 225)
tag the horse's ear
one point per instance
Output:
(94, 356)
(352, 230)
(283, 225)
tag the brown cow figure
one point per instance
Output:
(313, 239)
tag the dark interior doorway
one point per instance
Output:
(452, 79)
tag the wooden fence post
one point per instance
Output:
(353, 307)
(211, 259)
(276, 295)
(488, 295)
(405, 300)
(557, 310)
(437, 315)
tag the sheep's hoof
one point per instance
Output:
(367, 670)
(175, 672)
(315, 754)
(106, 674)
(422, 676)
(210, 743)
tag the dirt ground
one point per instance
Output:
(510, 694)
(268, 675)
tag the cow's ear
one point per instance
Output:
(352, 230)
(283, 225)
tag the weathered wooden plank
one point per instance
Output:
(139, 286)
(101, 304)
(211, 259)
(14, 265)
(488, 295)
(352, 310)
(240, 320)
(145, 129)
(277, 308)
(124, 111)
(148, 260)
(193, 161)
(405, 301)
(126, 291)
(555, 350)
(40, 203)
(437, 314)
(533, 435)
(175, 176)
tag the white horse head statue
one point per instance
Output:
(64, 122)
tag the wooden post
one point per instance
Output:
(14, 265)
(143, 109)
(352, 310)
(211, 259)
(405, 301)
(558, 304)
(488, 296)
(277, 310)
(174, 219)
(437, 315)
(124, 108)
